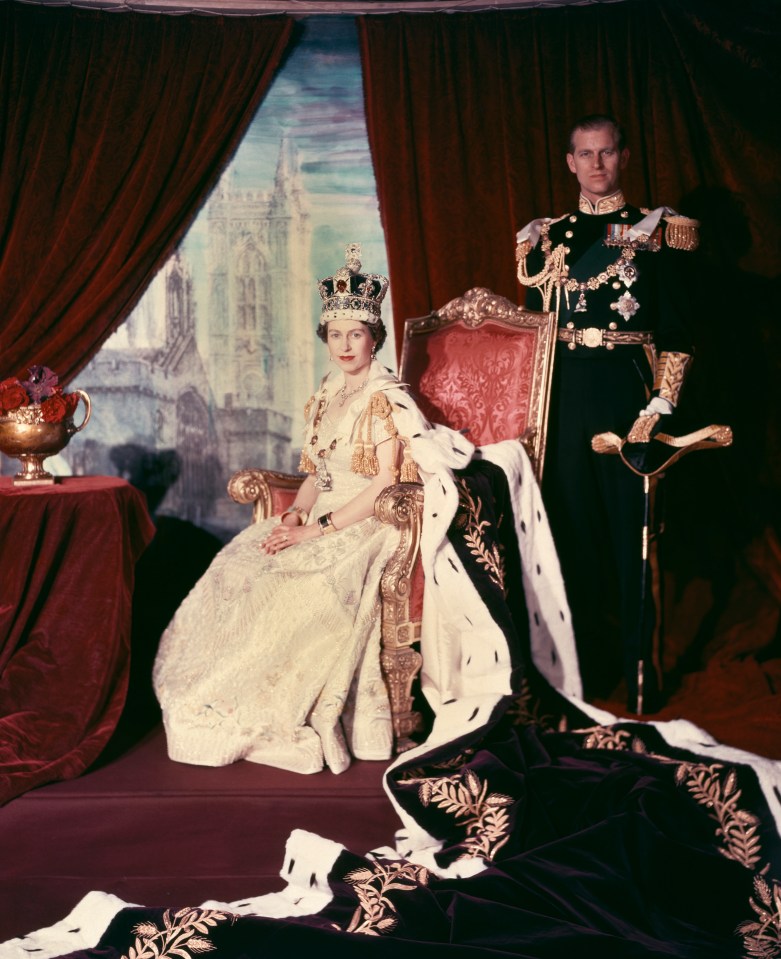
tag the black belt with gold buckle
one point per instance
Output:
(594, 337)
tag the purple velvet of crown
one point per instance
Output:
(350, 294)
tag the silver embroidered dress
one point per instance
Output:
(276, 659)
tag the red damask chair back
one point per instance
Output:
(482, 365)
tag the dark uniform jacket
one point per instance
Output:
(646, 291)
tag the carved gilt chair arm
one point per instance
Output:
(269, 492)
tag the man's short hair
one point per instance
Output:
(595, 121)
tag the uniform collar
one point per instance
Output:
(605, 204)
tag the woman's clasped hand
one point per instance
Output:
(288, 533)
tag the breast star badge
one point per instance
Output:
(626, 305)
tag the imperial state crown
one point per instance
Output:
(350, 294)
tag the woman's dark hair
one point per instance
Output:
(377, 330)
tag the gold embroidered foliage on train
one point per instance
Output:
(527, 710)
(465, 797)
(719, 794)
(762, 936)
(716, 788)
(712, 786)
(375, 913)
(468, 519)
(183, 934)
(604, 737)
(418, 773)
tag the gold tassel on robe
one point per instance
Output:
(409, 468)
(364, 458)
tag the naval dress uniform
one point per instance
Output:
(616, 275)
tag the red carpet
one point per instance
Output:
(157, 832)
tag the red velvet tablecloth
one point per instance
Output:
(67, 557)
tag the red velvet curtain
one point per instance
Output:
(115, 126)
(468, 117)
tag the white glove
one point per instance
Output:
(657, 405)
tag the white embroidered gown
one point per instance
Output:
(276, 659)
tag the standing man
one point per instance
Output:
(616, 276)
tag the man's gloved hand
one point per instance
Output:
(647, 420)
(657, 405)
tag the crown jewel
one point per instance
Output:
(350, 294)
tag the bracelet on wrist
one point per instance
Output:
(326, 524)
(299, 510)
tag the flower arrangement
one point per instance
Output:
(40, 394)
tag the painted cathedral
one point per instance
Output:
(211, 370)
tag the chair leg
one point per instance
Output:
(401, 506)
(400, 667)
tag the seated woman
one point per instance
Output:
(279, 641)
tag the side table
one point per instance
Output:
(67, 558)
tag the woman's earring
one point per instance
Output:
(374, 352)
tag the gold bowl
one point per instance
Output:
(26, 436)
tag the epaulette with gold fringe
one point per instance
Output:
(682, 232)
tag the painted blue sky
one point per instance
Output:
(316, 101)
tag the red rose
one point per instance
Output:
(12, 395)
(55, 409)
(71, 401)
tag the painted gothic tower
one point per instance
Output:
(214, 365)
(260, 349)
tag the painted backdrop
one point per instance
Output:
(211, 371)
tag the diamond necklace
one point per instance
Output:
(344, 394)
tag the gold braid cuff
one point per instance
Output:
(670, 373)
(641, 431)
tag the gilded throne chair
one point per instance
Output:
(481, 365)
